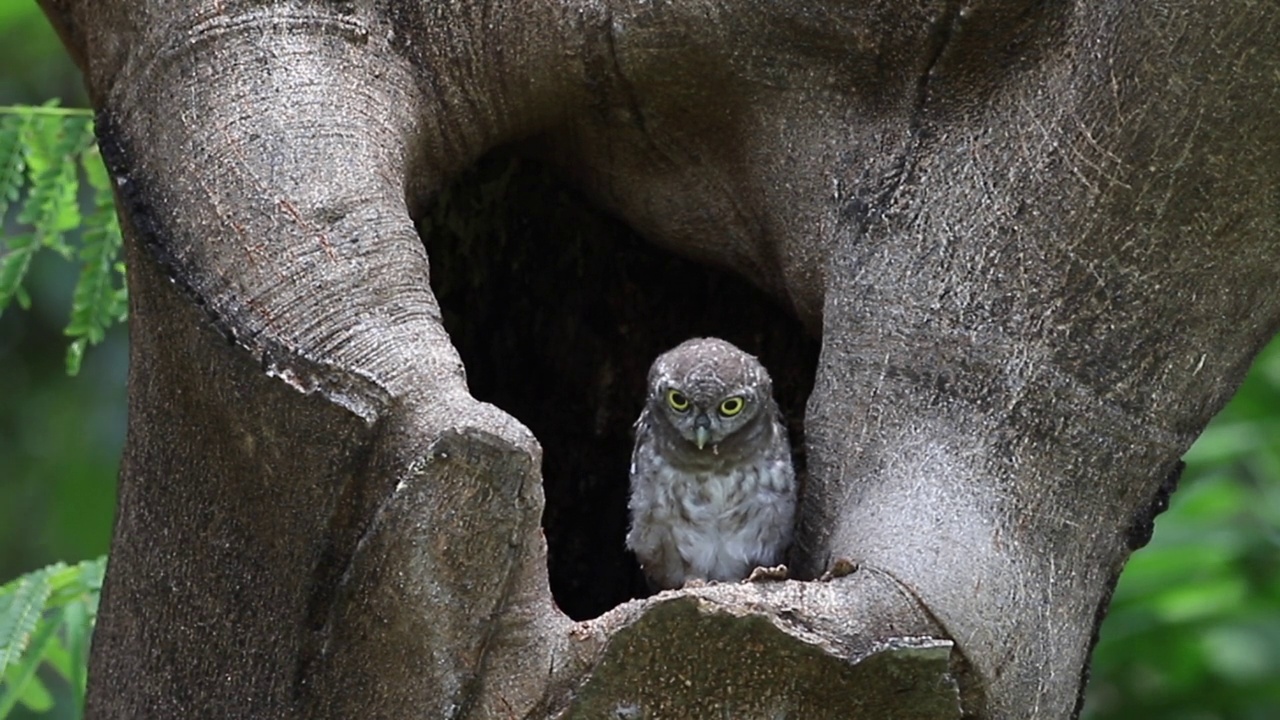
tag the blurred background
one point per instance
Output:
(60, 437)
(1194, 627)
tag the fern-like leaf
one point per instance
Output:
(13, 266)
(12, 128)
(97, 301)
(51, 147)
(45, 635)
(34, 696)
(15, 250)
(21, 604)
(45, 620)
(91, 301)
(42, 151)
(77, 628)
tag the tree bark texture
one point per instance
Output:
(1020, 252)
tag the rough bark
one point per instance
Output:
(1035, 241)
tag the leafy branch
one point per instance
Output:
(46, 618)
(43, 152)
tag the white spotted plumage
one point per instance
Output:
(718, 511)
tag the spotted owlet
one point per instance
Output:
(713, 493)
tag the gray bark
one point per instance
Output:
(1036, 242)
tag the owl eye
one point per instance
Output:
(732, 406)
(677, 400)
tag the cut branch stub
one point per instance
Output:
(850, 648)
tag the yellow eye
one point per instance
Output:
(732, 406)
(677, 400)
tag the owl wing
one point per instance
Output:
(767, 518)
(649, 536)
(642, 431)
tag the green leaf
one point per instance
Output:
(67, 598)
(51, 146)
(99, 299)
(1238, 651)
(35, 697)
(75, 356)
(56, 655)
(91, 574)
(47, 147)
(95, 171)
(1223, 442)
(45, 634)
(12, 128)
(79, 624)
(18, 250)
(1215, 597)
(91, 299)
(21, 603)
(75, 583)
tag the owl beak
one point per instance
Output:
(701, 431)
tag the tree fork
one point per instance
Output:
(1036, 241)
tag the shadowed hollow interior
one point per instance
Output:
(558, 309)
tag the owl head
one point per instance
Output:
(708, 390)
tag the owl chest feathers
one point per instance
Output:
(723, 525)
(712, 521)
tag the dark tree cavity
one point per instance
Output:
(397, 268)
(557, 310)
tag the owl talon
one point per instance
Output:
(840, 567)
(696, 583)
(777, 573)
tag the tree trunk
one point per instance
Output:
(1004, 259)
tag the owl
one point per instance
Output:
(713, 492)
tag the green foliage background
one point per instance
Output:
(60, 437)
(1194, 627)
